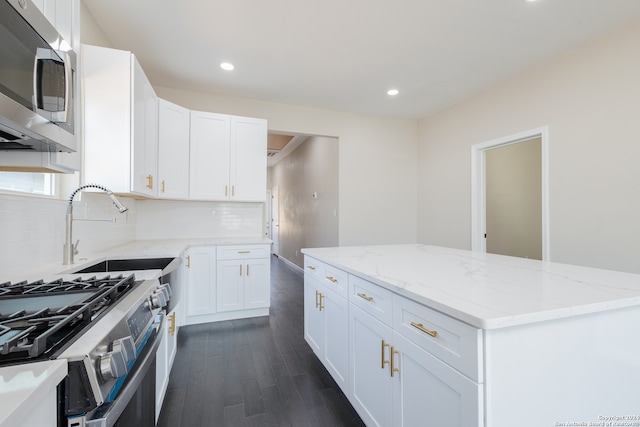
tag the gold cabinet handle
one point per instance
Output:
(244, 252)
(226, 190)
(317, 303)
(311, 267)
(162, 186)
(382, 359)
(366, 297)
(172, 324)
(393, 368)
(421, 328)
(233, 190)
(321, 299)
(188, 261)
(247, 269)
(332, 279)
(150, 182)
(240, 269)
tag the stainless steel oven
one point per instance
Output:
(37, 67)
(107, 327)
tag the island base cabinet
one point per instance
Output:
(370, 376)
(326, 331)
(428, 392)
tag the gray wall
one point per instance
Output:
(307, 222)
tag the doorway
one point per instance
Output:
(275, 220)
(510, 197)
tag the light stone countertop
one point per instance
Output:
(136, 249)
(485, 290)
(23, 386)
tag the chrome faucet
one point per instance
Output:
(70, 249)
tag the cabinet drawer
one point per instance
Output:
(455, 342)
(242, 252)
(335, 279)
(372, 298)
(313, 267)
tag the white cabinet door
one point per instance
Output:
(431, 393)
(336, 342)
(257, 285)
(313, 316)
(209, 156)
(243, 284)
(120, 117)
(165, 356)
(230, 284)
(370, 376)
(144, 170)
(201, 280)
(173, 151)
(248, 159)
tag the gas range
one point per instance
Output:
(107, 327)
(38, 318)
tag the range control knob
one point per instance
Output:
(112, 365)
(167, 290)
(127, 347)
(158, 299)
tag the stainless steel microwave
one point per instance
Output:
(37, 72)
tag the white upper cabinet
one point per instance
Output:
(121, 122)
(173, 151)
(209, 156)
(248, 161)
(228, 158)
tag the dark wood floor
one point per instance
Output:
(255, 372)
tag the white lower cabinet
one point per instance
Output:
(226, 282)
(201, 282)
(165, 356)
(370, 349)
(326, 319)
(406, 364)
(428, 392)
(243, 278)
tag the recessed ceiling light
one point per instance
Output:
(227, 66)
(393, 92)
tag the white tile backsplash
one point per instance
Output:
(32, 229)
(164, 219)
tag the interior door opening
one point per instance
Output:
(509, 195)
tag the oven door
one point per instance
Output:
(134, 405)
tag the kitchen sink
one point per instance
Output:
(127, 265)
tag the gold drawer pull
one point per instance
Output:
(311, 267)
(244, 252)
(334, 280)
(172, 324)
(421, 327)
(365, 296)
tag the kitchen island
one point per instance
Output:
(459, 338)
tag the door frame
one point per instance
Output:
(478, 186)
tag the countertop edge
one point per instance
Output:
(56, 371)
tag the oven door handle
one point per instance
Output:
(112, 414)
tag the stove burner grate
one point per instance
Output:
(38, 317)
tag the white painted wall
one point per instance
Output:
(377, 164)
(590, 99)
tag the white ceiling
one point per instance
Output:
(345, 54)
